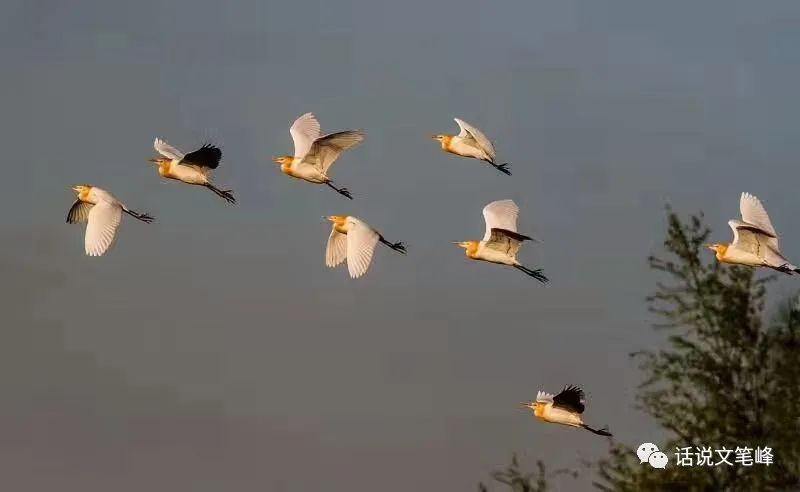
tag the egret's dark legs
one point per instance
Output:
(599, 432)
(146, 218)
(341, 191)
(503, 168)
(226, 194)
(400, 247)
(537, 274)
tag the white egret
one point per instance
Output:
(471, 142)
(102, 213)
(501, 242)
(194, 168)
(313, 154)
(354, 240)
(755, 242)
(564, 408)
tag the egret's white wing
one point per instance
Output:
(336, 250)
(505, 242)
(167, 150)
(544, 397)
(753, 212)
(104, 219)
(361, 241)
(751, 240)
(478, 136)
(79, 212)
(501, 214)
(324, 151)
(304, 131)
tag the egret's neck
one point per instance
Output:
(472, 249)
(721, 250)
(445, 142)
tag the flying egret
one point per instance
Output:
(471, 142)
(501, 242)
(564, 408)
(354, 240)
(102, 213)
(193, 168)
(755, 242)
(313, 154)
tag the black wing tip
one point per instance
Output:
(513, 235)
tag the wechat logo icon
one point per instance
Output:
(649, 453)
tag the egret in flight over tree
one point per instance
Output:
(564, 408)
(755, 242)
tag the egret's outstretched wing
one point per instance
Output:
(749, 239)
(304, 131)
(753, 212)
(336, 250)
(79, 212)
(480, 139)
(506, 242)
(570, 398)
(361, 241)
(501, 214)
(325, 150)
(167, 150)
(103, 221)
(755, 215)
(206, 157)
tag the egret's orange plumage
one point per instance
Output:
(470, 248)
(720, 250)
(339, 223)
(445, 141)
(83, 192)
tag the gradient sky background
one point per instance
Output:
(247, 365)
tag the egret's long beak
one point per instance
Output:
(76, 188)
(709, 246)
(276, 160)
(527, 405)
(153, 160)
(435, 137)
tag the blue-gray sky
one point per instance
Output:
(250, 366)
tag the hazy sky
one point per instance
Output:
(248, 365)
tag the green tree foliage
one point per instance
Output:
(729, 375)
(518, 481)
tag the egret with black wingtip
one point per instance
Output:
(194, 168)
(564, 408)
